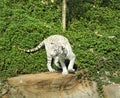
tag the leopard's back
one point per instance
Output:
(56, 39)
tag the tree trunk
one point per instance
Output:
(64, 15)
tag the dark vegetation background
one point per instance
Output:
(93, 29)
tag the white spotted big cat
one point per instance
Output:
(57, 48)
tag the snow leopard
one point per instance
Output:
(59, 49)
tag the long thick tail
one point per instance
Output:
(33, 49)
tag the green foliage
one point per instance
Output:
(25, 24)
(93, 31)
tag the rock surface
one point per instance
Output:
(50, 85)
(111, 91)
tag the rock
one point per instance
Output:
(111, 91)
(50, 85)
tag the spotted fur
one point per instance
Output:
(57, 48)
